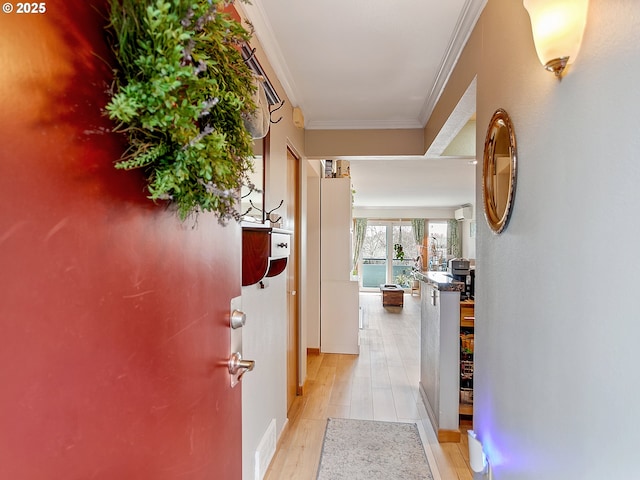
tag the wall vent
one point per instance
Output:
(265, 451)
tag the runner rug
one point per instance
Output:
(370, 450)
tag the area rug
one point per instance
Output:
(370, 450)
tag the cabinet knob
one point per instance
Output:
(282, 245)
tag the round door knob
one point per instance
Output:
(237, 365)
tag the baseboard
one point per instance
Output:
(285, 429)
(449, 436)
(313, 351)
(444, 436)
(430, 413)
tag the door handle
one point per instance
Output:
(238, 367)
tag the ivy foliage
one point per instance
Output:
(181, 93)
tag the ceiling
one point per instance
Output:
(372, 64)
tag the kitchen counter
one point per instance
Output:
(440, 352)
(441, 281)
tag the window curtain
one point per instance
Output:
(454, 240)
(359, 232)
(419, 226)
(418, 230)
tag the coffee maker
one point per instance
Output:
(459, 269)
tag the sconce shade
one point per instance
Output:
(558, 26)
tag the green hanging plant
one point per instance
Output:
(399, 251)
(181, 94)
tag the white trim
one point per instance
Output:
(466, 22)
(264, 33)
(362, 125)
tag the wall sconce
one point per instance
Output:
(557, 27)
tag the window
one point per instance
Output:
(438, 246)
(388, 253)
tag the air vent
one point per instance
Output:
(464, 213)
(265, 451)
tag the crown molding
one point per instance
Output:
(362, 125)
(264, 33)
(465, 25)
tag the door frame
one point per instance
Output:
(293, 156)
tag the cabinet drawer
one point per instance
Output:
(280, 245)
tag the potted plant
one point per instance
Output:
(398, 251)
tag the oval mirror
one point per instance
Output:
(499, 170)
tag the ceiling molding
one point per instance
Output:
(363, 125)
(466, 22)
(264, 33)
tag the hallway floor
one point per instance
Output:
(379, 384)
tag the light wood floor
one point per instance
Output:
(379, 384)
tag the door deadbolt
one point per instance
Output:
(238, 319)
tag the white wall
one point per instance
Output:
(264, 390)
(265, 336)
(557, 324)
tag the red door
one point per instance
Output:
(114, 331)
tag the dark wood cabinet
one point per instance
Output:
(265, 252)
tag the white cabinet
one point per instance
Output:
(335, 229)
(339, 317)
(339, 304)
(439, 359)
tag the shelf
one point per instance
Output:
(467, 322)
(466, 409)
(467, 315)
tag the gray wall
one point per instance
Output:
(556, 313)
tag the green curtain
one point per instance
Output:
(360, 230)
(454, 240)
(418, 225)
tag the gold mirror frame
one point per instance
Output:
(499, 170)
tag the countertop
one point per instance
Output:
(440, 280)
